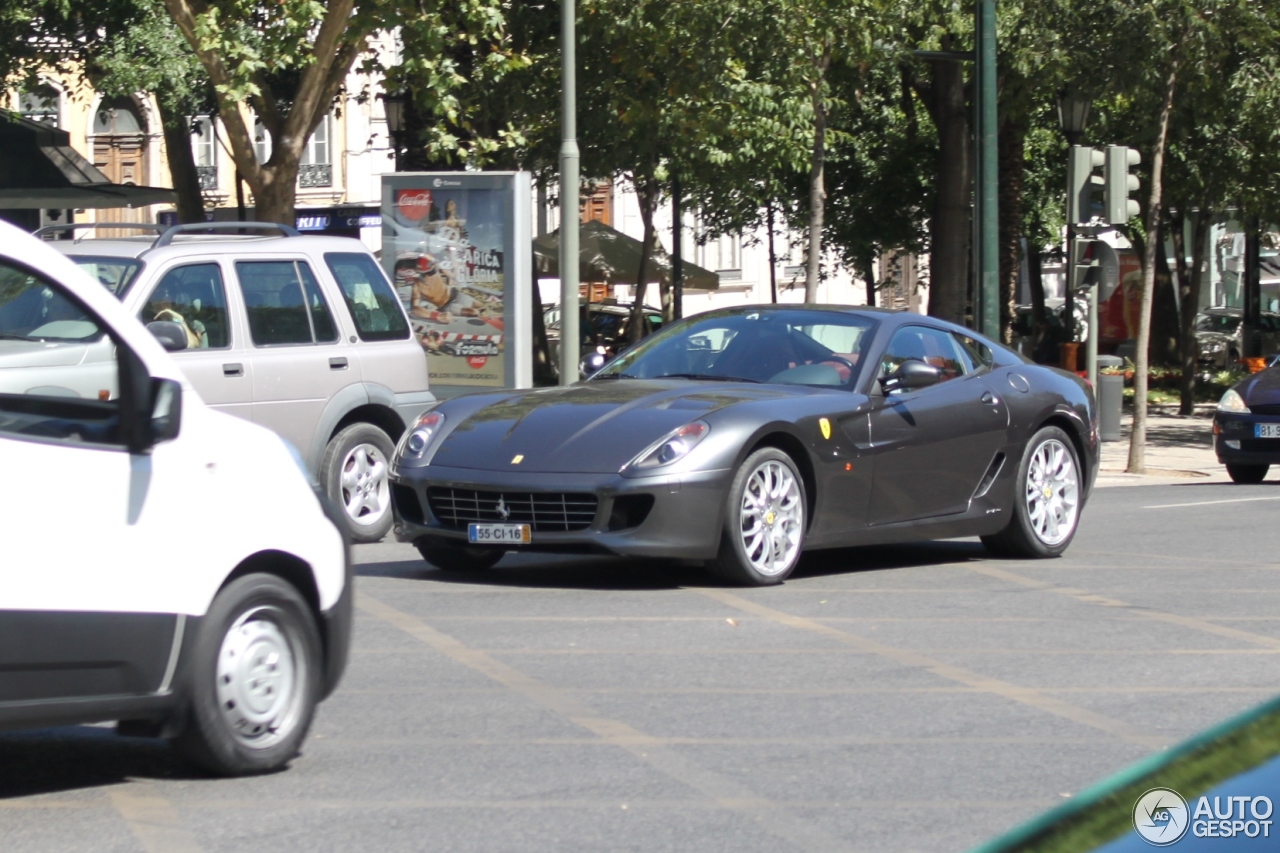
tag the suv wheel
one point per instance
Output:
(355, 469)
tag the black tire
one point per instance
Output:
(1020, 537)
(457, 558)
(740, 561)
(355, 472)
(1247, 475)
(246, 718)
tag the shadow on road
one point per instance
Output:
(73, 757)
(543, 571)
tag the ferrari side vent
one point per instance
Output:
(993, 471)
(545, 512)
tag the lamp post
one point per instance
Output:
(1073, 115)
(570, 214)
(393, 107)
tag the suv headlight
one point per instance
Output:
(413, 447)
(672, 447)
(1232, 402)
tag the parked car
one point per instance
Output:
(602, 325)
(164, 565)
(304, 335)
(1246, 426)
(745, 436)
(1044, 349)
(1220, 336)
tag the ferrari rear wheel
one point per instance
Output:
(1046, 501)
(457, 558)
(764, 521)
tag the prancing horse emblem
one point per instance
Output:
(502, 508)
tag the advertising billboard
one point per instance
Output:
(457, 246)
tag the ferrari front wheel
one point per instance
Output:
(764, 521)
(1046, 501)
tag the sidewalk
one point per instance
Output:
(1178, 449)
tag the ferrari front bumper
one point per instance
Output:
(670, 516)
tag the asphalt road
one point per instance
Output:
(888, 699)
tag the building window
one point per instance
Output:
(40, 104)
(316, 169)
(204, 149)
(117, 117)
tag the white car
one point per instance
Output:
(165, 565)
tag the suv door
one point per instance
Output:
(300, 360)
(216, 359)
(387, 354)
(91, 546)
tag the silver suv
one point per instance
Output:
(304, 335)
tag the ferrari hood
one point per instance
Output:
(1262, 388)
(591, 427)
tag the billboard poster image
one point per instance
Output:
(449, 246)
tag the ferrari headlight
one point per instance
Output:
(1232, 402)
(418, 438)
(672, 447)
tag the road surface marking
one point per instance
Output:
(1210, 503)
(151, 818)
(1023, 695)
(770, 816)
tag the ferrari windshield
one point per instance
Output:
(789, 346)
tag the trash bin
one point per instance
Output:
(1110, 398)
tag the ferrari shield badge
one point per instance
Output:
(825, 426)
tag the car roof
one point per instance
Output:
(205, 245)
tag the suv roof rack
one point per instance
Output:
(77, 226)
(242, 227)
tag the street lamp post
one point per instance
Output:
(393, 107)
(1073, 116)
(570, 215)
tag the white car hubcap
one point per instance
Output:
(366, 491)
(771, 518)
(260, 679)
(1052, 492)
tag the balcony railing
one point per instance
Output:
(208, 177)
(315, 175)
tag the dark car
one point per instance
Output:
(601, 325)
(1246, 426)
(744, 436)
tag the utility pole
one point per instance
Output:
(987, 249)
(677, 253)
(570, 217)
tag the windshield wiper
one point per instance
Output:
(710, 377)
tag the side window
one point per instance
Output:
(932, 346)
(192, 296)
(279, 311)
(374, 306)
(59, 378)
(978, 354)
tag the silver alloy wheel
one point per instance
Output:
(1052, 492)
(771, 518)
(366, 489)
(261, 679)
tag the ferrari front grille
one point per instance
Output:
(545, 512)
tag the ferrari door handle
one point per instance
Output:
(337, 364)
(232, 370)
(990, 399)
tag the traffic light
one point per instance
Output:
(1084, 184)
(1087, 264)
(1120, 184)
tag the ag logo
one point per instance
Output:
(1160, 816)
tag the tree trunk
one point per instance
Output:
(1189, 293)
(274, 197)
(647, 195)
(950, 229)
(817, 189)
(1163, 348)
(1138, 439)
(1012, 168)
(182, 164)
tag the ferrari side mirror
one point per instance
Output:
(911, 374)
(591, 363)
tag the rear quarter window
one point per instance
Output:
(373, 305)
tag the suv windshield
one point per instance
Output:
(788, 346)
(115, 274)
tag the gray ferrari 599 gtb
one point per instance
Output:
(745, 436)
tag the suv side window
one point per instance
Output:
(932, 346)
(374, 306)
(284, 303)
(59, 378)
(192, 296)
